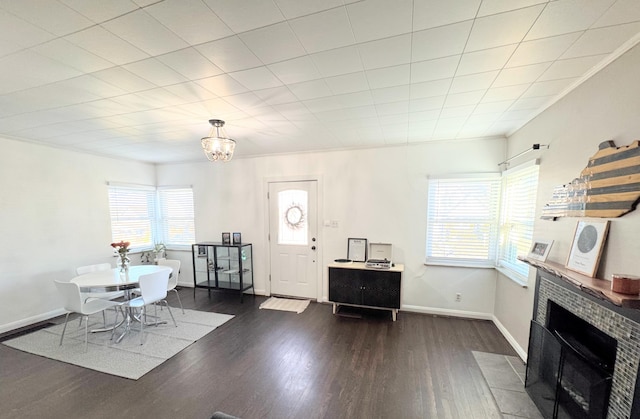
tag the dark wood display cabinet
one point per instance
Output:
(353, 284)
(224, 267)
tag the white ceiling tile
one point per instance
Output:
(273, 43)
(385, 52)
(222, 85)
(106, 45)
(72, 55)
(393, 112)
(295, 112)
(492, 7)
(502, 29)
(530, 103)
(457, 111)
(23, 70)
(93, 85)
(375, 19)
(492, 107)
(602, 40)
(191, 20)
(472, 82)
(276, 95)
(312, 30)
(387, 77)
(20, 32)
(565, 16)
(572, 67)
(466, 98)
(391, 94)
(190, 92)
(542, 50)
(520, 75)
(623, 11)
(146, 33)
(245, 15)
(107, 10)
(295, 70)
(123, 79)
(440, 42)
(296, 8)
(548, 88)
(256, 78)
(230, 54)
(190, 63)
(497, 94)
(355, 99)
(431, 13)
(322, 104)
(430, 88)
(245, 101)
(427, 103)
(155, 71)
(485, 60)
(348, 83)
(338, 61)
(440, 68)
(51, 16)
(310, 89)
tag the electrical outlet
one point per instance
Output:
(458, 297)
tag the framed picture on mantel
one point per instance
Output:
(586, 248)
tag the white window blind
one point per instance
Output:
(132, 215)
(462, 220)
(520, 187)
(176, 223)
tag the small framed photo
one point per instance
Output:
(357, 250)
(540, 249)
(202, 251)
(586, 248)
(237, 238)
(226, 238)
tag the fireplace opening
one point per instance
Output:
(570, 366)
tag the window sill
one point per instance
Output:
(512, 276)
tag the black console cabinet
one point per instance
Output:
(354, 284)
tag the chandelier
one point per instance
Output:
(218, 148)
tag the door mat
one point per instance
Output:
(285, 304)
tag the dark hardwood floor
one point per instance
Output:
(273, 364)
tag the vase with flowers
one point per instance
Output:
(122, 248)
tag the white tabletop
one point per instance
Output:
(113, 279)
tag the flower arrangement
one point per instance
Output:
(122, 248)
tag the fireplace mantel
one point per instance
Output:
(600, 288)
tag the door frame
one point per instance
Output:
(319, 231)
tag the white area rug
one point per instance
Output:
(285, 304)
(128, 358)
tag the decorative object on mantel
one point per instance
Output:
(540, 249)
(587, 245)
(122, 247)
(218, 147)
(625, 284)
(608, 187)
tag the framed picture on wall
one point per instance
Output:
(586, 248)
(540, 249)
(237, 238)
(226, 238)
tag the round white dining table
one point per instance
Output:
(117, 280)
(114, 279)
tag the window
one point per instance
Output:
(145, 216)
(483, 220)
(519, 192)
(462, 220)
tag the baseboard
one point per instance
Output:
(447, 312)
(514, 344)
(31, 320)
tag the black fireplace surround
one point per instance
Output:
(583, 355)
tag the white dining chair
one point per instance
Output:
(75, 303)
(174, 264)
(153, 289)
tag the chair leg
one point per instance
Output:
(86, 334)
(104, 319)
(66, 319)
(169, 309)
(143, 319)
(115, 322)
(179, 301)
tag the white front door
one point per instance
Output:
(293, 238)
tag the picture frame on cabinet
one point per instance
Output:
(357, 249)
(237, 238)
(226, 238)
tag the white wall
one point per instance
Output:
(378, 193)
(54, 216)
(605, 107)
